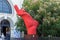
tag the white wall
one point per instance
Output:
(12, 18)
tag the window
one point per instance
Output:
(5, 7)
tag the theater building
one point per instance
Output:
(8, 17)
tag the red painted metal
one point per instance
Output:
(31, 24)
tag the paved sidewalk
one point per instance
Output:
(16, 39)
(0, 38)
(13, 39)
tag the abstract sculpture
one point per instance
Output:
(31, 24)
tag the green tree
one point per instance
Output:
(47, 13)
(20, 25)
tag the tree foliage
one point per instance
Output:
(47, 13)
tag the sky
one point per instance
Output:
(18, 3)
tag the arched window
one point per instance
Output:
(5, 7)
(5, 23)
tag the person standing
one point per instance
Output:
(7, 33)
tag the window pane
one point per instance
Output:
(5, 7)
(0, 6)
(0, 0)
(6, 10)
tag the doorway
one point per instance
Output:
(5, 29)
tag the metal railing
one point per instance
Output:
(39, 38)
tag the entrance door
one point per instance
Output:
(5, 28)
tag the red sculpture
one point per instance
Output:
(31, 24)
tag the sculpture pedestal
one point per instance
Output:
(30, 37)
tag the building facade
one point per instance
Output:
(8, 17)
